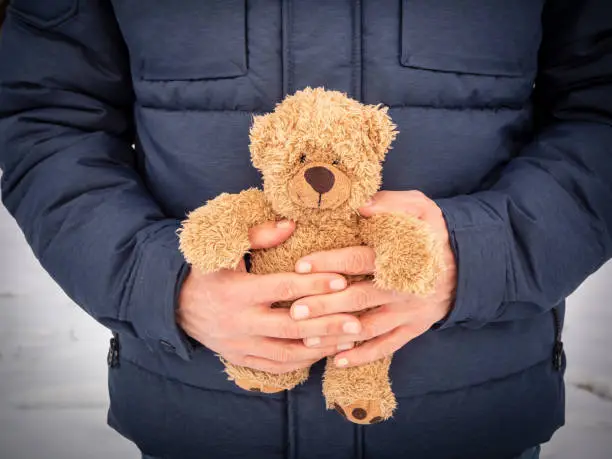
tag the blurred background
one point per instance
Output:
(53, 395)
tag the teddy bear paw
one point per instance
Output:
(254, 386)
(362, 412)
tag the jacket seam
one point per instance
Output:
(291, 427)
(178, 381)
(290, 60)
(356, 51)
(203, 110)
(542, 362)
(460, 107)
(391, 107)
(362, 54)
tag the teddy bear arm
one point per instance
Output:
(215, 236)
(408, 257)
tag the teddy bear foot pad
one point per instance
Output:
(254, 386)
(361, 412)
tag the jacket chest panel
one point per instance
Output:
(246, 54)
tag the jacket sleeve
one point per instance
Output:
(70, 176)
(528, 240)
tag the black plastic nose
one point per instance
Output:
(320, 179)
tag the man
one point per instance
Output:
(505, 118)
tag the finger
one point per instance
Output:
(348, 260)
(412, 202)
(269, 366)
(277, 323)
(378, 348)
(270, 234)
(383, 319)
(374, 323)
(288, 351)
(339, 343)
(270, 288)
(241, 266)
(357, 297)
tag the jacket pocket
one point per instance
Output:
(480, 37)
(188, 40)
(43, 14)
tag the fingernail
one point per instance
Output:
(303, 267)
(341, 362)
(345, 346)
(315, 341)
(351, 328)
(283, 224)
(300, 311)
(337, 284)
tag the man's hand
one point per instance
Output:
(397, 318)
(229, 312)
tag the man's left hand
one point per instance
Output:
(397, 318)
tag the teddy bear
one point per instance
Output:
(320, 154)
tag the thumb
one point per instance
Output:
(385, 202)
(270, 234)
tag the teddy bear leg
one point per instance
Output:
(361, 394)
(261, 381)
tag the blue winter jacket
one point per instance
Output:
(505, 118)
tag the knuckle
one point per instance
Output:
(360, 298)
(357, 261)
(284, 290)
(333, 327)
(369, 331)
(282, 355)
(290, 331)
(318, 307)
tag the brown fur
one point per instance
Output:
(318, 128)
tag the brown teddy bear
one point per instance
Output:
(320, 154)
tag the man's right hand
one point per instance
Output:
(229, 312)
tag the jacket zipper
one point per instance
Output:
(558, 347)
(113, 351)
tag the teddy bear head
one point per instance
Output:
(320, 153)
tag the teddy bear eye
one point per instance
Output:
(335, 162)
(302, 158)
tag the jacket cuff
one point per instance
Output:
(157, 279)
(479, 241)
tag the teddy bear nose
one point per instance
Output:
(320, 179)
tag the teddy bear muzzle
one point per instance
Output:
(319, 186)
(321, 179)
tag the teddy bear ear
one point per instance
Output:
(261, 139)
(380, 130)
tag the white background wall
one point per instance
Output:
(53, 396)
